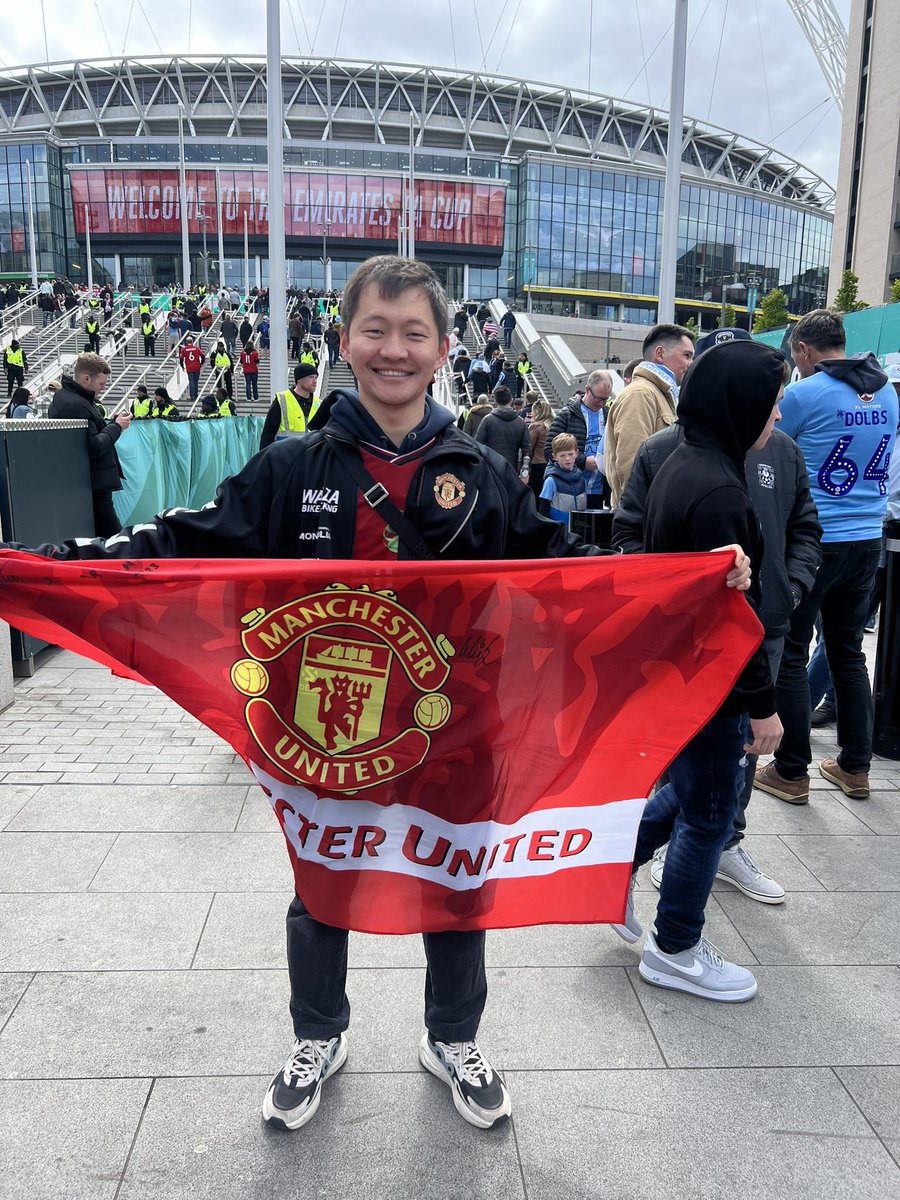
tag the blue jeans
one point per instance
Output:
(841, 593)
(694, 812)
(455, 982)
(193, 378)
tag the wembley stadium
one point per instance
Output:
(520, 186)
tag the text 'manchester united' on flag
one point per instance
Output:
(450, 745)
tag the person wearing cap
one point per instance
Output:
(209, 409)
(648, 403)
(141, 406)
(779, 490)
(291, 411)
(163, 406)
(16, 364)
(192, 359)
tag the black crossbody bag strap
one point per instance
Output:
(376, 496)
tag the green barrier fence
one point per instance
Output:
(874, 329)
(179, 464)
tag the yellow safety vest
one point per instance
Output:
(293, 422)
(15, 358)
(225, 408)
(222, 362)
(141, 408)
(309, 357)
(165, 412)
(147, 328)
(144, 308)
(91, 326)
(523, 367)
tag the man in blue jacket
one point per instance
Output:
(843, 415)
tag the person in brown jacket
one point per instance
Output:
(541, 416)
(647, 404)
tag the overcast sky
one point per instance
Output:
(765, 83)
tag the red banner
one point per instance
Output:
(468, 747)
(144, 201)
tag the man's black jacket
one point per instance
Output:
(779, 489)
(74, 403)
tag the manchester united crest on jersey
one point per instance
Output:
(449, 491)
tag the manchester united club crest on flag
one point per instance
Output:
(449, 491)
(348, 653)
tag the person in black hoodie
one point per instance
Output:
(697, 501)
(79, 400)
(504, 432)
(779, 488)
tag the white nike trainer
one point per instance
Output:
(701, 970)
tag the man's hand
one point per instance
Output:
(590, 463)
(123, 420)
(767, 734)
(740, 574)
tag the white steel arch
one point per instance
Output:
(828, 38)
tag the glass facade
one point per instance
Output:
(583, 230)
(578, 233)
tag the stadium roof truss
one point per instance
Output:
(346, 101)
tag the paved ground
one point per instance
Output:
(143, 1001)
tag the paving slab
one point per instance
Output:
(89, 931)
(49, 1157)
(880, 813)
(639, 1135)
(194, 862)
(851, 863)
(51, 862)
(834, 929)
(767, 815)
(12, 988)
(801, 1016)
(877, 1092)
(13, 798)
(144, 807)
(388, 1137)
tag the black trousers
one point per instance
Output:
(455, 982)
(106, 522)
(15, 377)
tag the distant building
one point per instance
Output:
(867, 207)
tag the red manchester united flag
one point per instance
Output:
(446, 746)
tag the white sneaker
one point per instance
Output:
(737, 867)
(657, 862)
(701, 970)
(293, 1096)
(631, 929)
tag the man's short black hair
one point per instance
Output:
(664, 335)
(822, 329)
(502, 395)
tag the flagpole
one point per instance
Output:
(672, 199)
(219, 222)
(87, 238)
(33, 247)
(411, 206)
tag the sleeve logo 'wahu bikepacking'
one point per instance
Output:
(357, 664)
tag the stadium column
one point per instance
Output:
(275, 121)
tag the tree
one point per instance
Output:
(772, 312)
(894, 296)
(691, 325)
(730, 318)
(846, 299)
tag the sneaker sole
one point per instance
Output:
(676, 983)
(763, 899)
(853, 793)
(656, 880)
(275, 1117)
(787, 797)
(433, 1064)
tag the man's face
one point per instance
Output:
(596, 397)
(306, 386)
(677, 357)
(394, 349)
(566, 458)
(93, 383)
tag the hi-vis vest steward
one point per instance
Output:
(309, 357)
(144, 308)
(15, 358)
(293, 422)
(222, 362)
(141, 406)
(91, 326)
(225, 407)
(147, 328)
